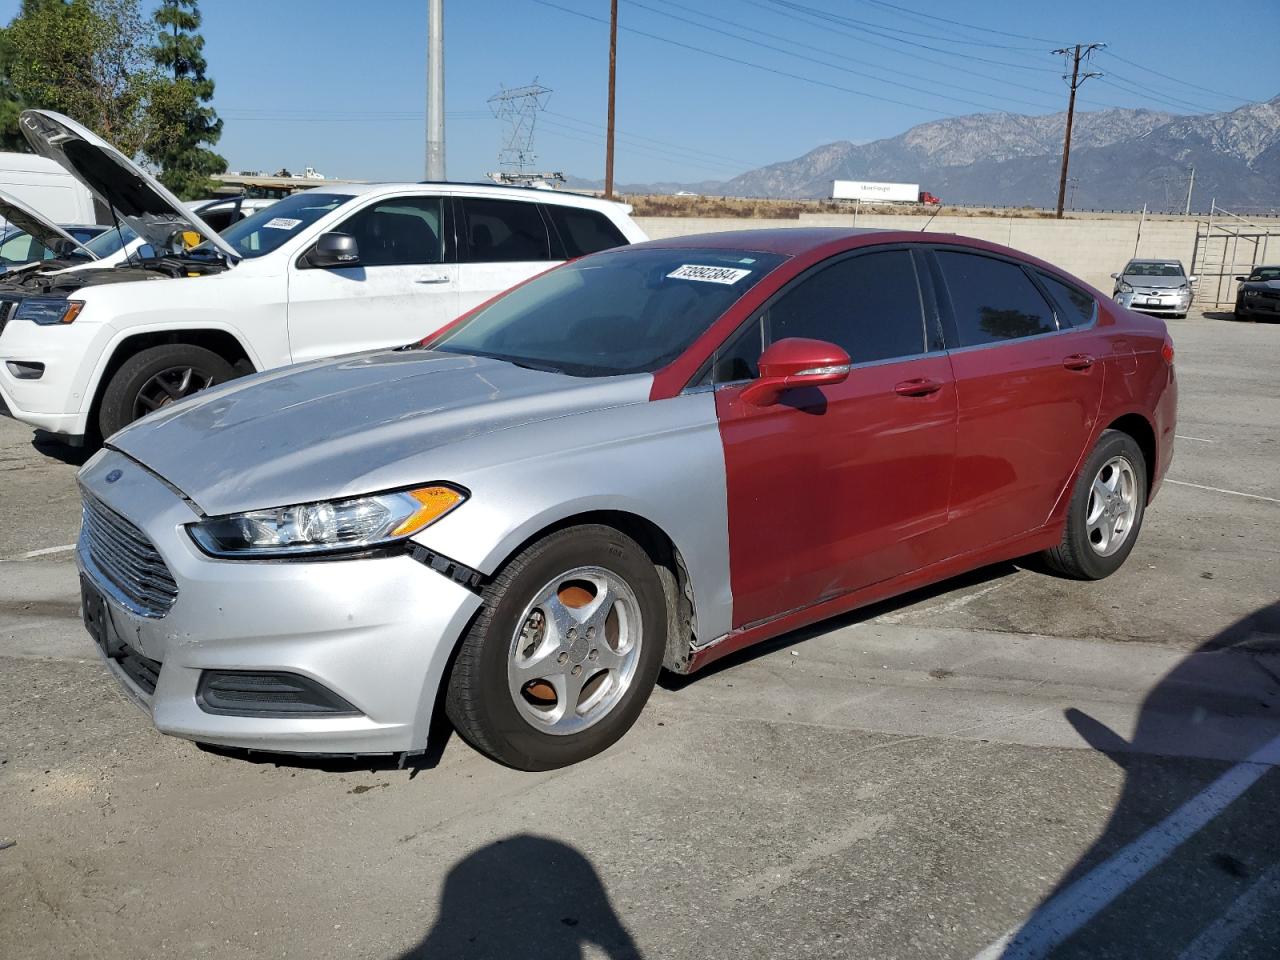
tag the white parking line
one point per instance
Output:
(1217, 938)
(1234, 493)
(43, 552)
(1196, 439)
(1059, 918)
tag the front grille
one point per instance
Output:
(1270, 294)
(128, 560)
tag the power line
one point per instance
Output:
(749, 63)
(1136, 86)
(841, 56)
(1194, 86)
(807, 59)
(956, 23)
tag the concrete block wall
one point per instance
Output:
(1090, 249)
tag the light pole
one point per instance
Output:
(435, 90)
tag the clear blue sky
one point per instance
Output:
(341, 85)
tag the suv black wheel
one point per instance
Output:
(156, 377)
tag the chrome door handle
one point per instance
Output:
(1078, 361)
(440, 278)
(919, 387)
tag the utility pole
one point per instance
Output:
(1190, 186)
(613, 70)
(1080, 52)
(435, 90)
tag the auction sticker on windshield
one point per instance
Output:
(693, 271)
(282, 223)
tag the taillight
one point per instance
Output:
(1166, 351)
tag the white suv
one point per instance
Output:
(332, 270)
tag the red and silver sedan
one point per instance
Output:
(649, 457)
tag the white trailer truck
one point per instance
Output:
(871, 191)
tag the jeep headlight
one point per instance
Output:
(48, 311)
(329, 526)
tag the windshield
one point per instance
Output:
(630, 310)
(1265, 273)
(1141, 268)
(107, 243)
(269, 228)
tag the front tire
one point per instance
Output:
(1107, 507)
(558, 664)
(154, 378)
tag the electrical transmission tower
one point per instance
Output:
(518, 108)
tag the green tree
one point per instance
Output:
(88, 59)
(181, 122)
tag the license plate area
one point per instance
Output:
(1151, 302)
(97, 619)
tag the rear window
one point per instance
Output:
(584, 231)
(993, 300)
(1075, 307)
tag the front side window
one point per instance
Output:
(398, 231)
(21, 248)
(498, 231)
(868, 304)
(630, 310)
(992, 300)
(270, 228)
(1078, 309)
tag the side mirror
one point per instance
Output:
(1192, 279)
(796, 362)
(1242, 278)
(334, 250)
(146, 252)
(1115, 276)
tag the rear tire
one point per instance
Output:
(1107, 507)
(155, 377)
(559, 662)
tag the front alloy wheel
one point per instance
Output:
(559, 662)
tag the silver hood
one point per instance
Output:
(37, 224)
(139, 199)
(316, 431)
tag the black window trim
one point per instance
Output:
(300, 262)
(696, 385)
(948, 308)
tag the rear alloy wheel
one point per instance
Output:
(561, 659)
(1106, 510)
(156, 377)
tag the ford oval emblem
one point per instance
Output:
(113, 476)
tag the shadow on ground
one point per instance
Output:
(1188, 864)
(524, 897)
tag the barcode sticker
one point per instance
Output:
(693, 271)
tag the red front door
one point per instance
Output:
(837, 487)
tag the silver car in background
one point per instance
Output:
(1154, 286)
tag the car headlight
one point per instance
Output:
(1124, 287)
(330, 526)
(48, 311)
(1251, 293)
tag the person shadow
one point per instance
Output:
(524, 897)
(1188, 864)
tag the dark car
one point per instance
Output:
(1258, 297)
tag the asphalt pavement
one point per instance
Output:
(1006, 765)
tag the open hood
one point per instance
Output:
(31, 221)
(139, 199)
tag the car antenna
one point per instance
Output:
(930, 220)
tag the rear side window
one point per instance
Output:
(584, 231)
(993, 300)
(867, 304)
(499, 231)
(1076, 307)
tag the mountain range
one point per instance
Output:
(1120, 159)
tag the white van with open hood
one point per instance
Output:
(330, 270)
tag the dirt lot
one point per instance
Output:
(1008, 765)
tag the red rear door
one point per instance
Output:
(1029, 391)
(838, 487)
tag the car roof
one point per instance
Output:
(788, 241)
(557, 197)
(1171, 263)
